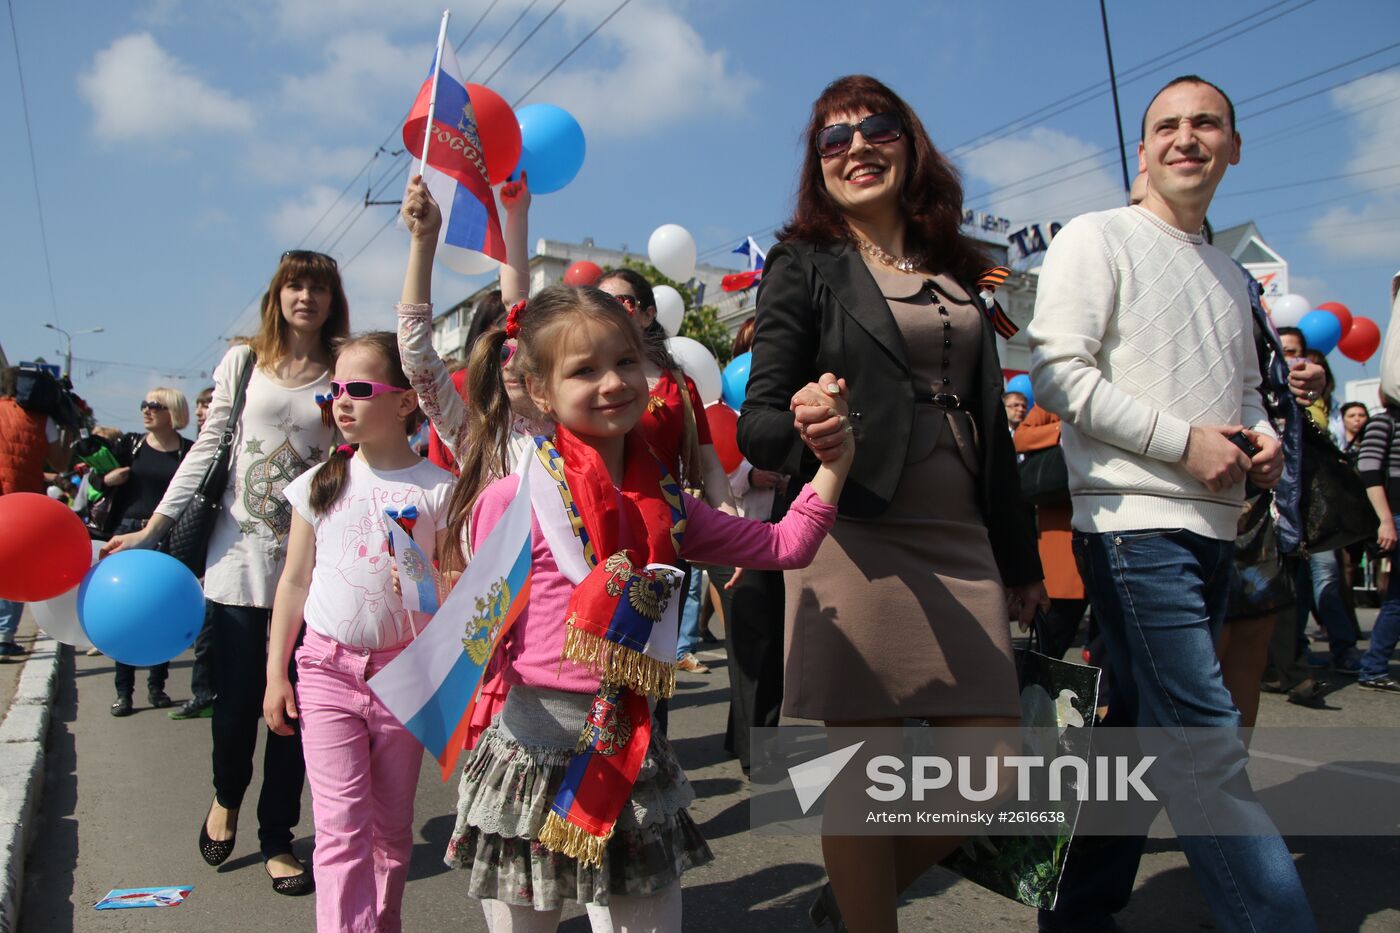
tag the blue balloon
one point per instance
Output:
(552, 147)
(141, 607)
(1022, 383)
(736, 380)
(1322, 330)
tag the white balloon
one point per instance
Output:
(58, 617)
(672, 251)
(699, 364)
(1288, 310)
(670, 309)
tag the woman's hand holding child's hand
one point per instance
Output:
(821, 414)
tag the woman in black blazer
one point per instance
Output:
(904, 612)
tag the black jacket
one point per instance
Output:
(819, 310)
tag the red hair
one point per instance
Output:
(932, 199)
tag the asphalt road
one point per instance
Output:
(124, 798)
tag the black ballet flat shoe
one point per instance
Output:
(293, 885)
(214, 851)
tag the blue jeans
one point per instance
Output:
(10, 611)
(1320, 591)
(1375, 663)
(690, 613)
(1160, 598)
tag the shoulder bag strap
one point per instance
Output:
(216, 474)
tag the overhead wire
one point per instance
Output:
(33, 166)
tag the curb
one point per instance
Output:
(22, 736)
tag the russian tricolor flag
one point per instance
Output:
(433, 684)
(742, 280)
(456, 167)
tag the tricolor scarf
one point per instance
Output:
(615, 622)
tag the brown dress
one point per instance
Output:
(904, 615)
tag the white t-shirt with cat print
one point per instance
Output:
(352, 595)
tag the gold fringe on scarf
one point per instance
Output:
(559, 835)
(619, 665)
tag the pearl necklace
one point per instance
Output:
(902, 263)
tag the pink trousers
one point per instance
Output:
(363, 766)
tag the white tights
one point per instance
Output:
(656, 913)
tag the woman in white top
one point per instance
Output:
(279, 435)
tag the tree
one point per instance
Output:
(700, 323)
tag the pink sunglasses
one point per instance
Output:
(361, 388)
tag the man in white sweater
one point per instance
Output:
(1142, 344)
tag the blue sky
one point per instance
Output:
(183, 146)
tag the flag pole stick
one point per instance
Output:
(432, 93)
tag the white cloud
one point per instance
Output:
(1374, 103)
(137, 90)
(1371, 231)
(294, 219)
(1006, 162)
(299, 19)
(661, 73)
(271, 162)
(362, 70)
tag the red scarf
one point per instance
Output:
(650, 516)
(652, 531)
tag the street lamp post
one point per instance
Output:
(68, 344)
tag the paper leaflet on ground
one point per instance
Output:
(164, 896)
(432, 685)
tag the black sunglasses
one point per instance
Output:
(307, 255)
(152, 406)
(878, 129)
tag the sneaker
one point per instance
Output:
(1383, 684)
(160, 699)
(689, 662)
(193, 708)
(9, 649)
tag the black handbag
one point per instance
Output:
(1044, 477)
(188, 540)
(1058, 703)
(1336, 510)
(1262, 581)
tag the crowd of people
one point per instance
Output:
(869, 556)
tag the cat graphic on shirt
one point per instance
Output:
(364, 565)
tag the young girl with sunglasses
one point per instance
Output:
(361, 762)
(278, 435)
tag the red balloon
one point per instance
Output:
(583, 273)
(1341, 312)
(499, 131)
(1361, 341)
(724, 426)
(44, 548)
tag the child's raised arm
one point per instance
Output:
(437, 395)
(515, 274)
(288, 609)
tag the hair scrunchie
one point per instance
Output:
(344, 450)
(513, 319)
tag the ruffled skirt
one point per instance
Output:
(507, 787)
